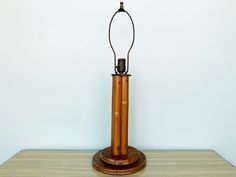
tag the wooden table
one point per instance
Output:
(50, 163)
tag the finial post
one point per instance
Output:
(121, 6)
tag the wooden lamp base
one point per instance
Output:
(119, 158)
(105, 162)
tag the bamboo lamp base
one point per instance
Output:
(105, 162)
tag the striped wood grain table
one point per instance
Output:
(67, 163)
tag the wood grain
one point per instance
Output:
(124, 114)
(46, 163)
(116, 115)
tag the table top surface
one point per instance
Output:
(73, 163)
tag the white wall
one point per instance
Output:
(55, 82)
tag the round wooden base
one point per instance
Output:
(134, 161)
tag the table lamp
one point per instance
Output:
(119, 158)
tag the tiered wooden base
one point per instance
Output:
(105, 162)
